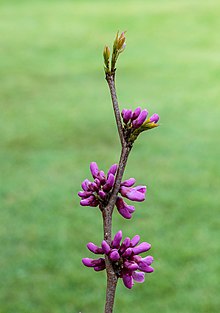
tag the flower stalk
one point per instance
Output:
(121, 259)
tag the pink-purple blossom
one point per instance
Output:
(96, 193)
(125, 258)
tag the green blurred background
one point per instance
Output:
(56, 117)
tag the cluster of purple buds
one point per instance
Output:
(97, 193)
(132, 193)
(125, 258)
(136, 118)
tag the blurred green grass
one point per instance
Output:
(56, 117)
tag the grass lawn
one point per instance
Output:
(56, 117)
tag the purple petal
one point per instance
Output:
(117, 239)
(127, 252)
(93, 262)
(101, 177)
(113, 169)
(136, 113)
(114, 255)
(85, 184)
(95, 249)
(94, 169)
(109, 183)
(142, 247)
(99, 268)
(124, 209)
(135, 240)
(140, 120)
(148, 260)
(129, 182)
(132, 266)
(128, 281)
(138, 277)
(126, 115)
(105, 247)
(134, 194)
(102, 194)
(90, 201)
(84, 194)
(145, 268)
(125, 244)
(154, 118)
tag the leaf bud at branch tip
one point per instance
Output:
(106, 55)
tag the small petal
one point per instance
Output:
(135, 240)
(138, 276)
(85, 184)
(93, 262)
(126, 115)
(90, 201)
(127, 253)
(94, 169)
(113, 169)
(99, 267)
(129, 182)
(136, 113)
(102, 194)
(109, 183)
(154, 118)
(114, 255)
(105, 247)
(132, 266)
(134, 194)
(125, 244)
(84, 194)
(117, 239)
(95, 249)
(145, 268)
(148, 260)
(128, 281)
(140, 120)
(142, 247)
(124, 209)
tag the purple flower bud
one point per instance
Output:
(92, 263)
(136, 113)
(127, 253)
(126, 115)
(114, 255)
(84, 194)
(102, 194)
(135, 194)
(85, 184)
(129, 182)
(131, 266)
(128, 281)
(95, 249)
(109, 183)
(94, 169)
(105, 247)
(124, 209)
(99, 267)
(90, 201)
(97, 182)
(101, 177)
(125, 244)
(117, 239)
(142, 247)
(140, 120)
(138, 276)
(154, 118)
(148, 260)
(113, 169)
(87, 262)
(145, 268)
(135, 240)
(93, 187)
